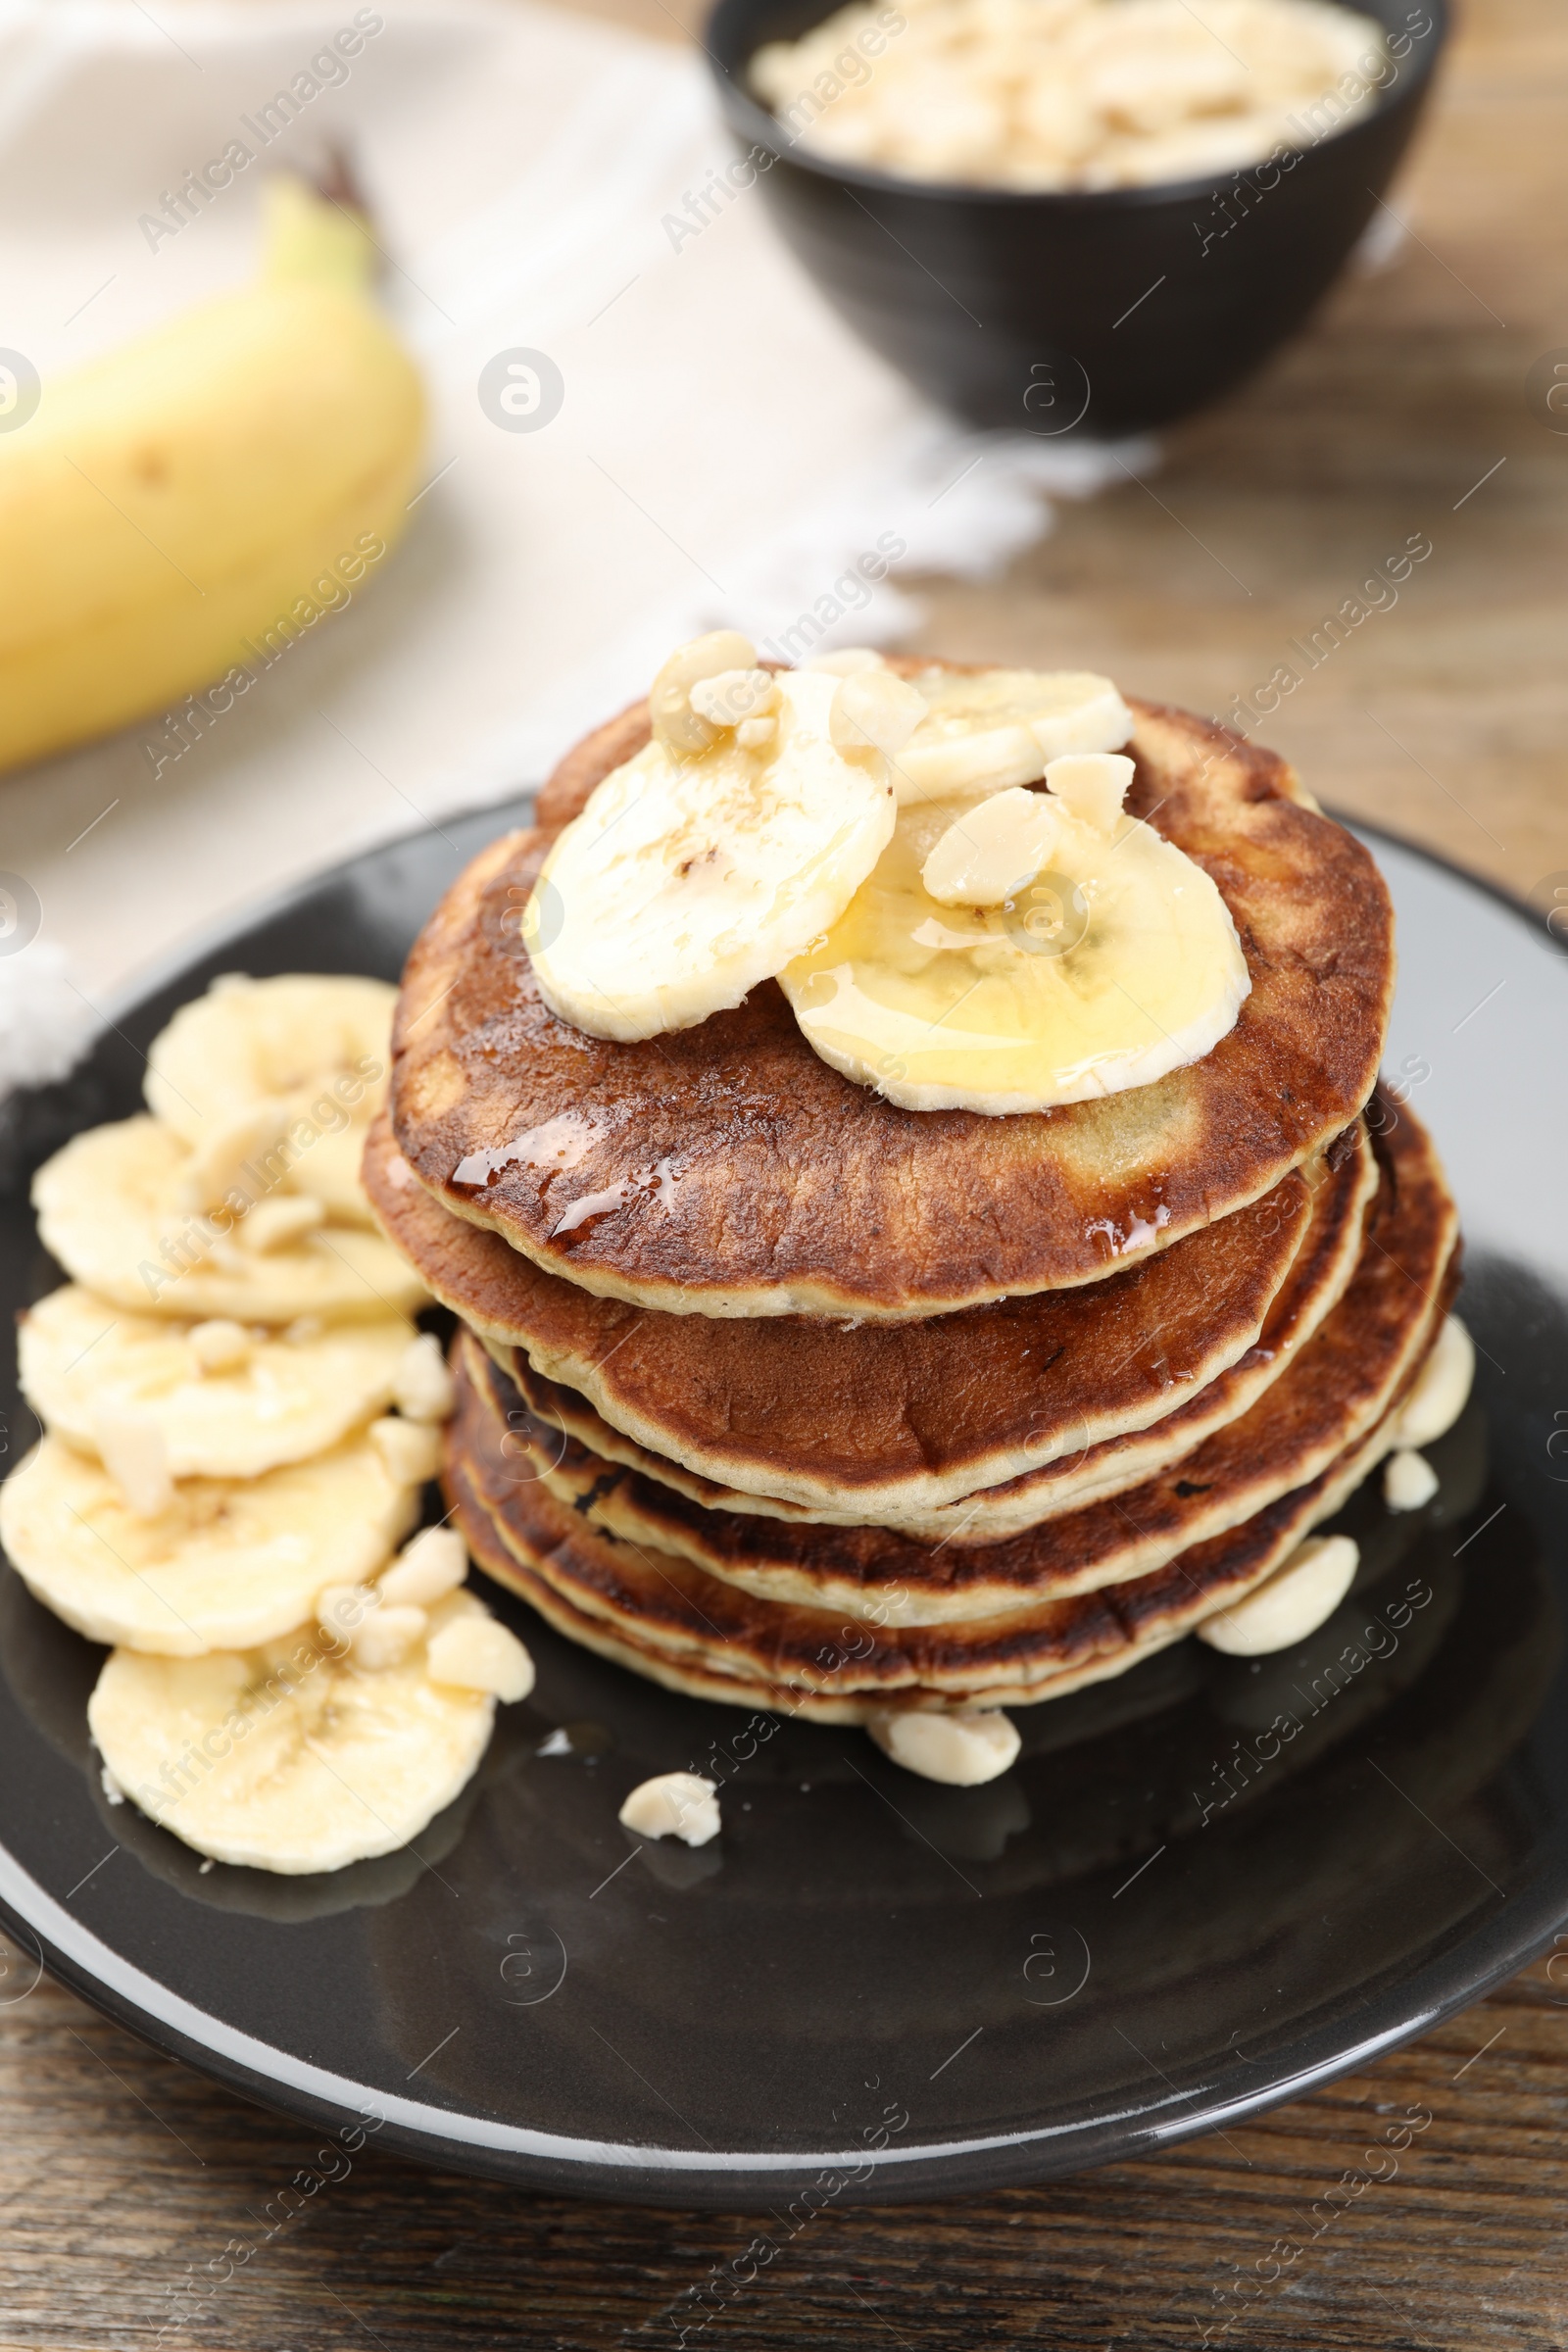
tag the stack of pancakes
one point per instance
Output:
(783, 1396)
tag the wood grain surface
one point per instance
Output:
(122, 2178)
(128, 2187)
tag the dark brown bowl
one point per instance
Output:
(1099, 312)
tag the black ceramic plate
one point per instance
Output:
(1166, 1916)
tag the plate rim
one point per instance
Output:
(752, 2180)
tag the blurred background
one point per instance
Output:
(712, 445)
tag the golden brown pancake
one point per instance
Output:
(879, 1420)
(1338, 1388)
(662, 1615)
(1319, 1275)
(726, 1171)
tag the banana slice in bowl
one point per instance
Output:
(116, 1207)
(291, 1755)
(225, 1402)
(217, 1564)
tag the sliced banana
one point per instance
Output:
(268, 1399)
(224, 1565)
(695, 873)
(992, 728)
(112, 1209)
(250, 1042)
(256, 1060)
(290, 1756)
(1102, 970)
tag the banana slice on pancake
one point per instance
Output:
(254, 1061)
(710, 858)
(222, 1564)
(225, 1402)
(1092, 955)
(115, 1209)
(291, 1755)
(986, 730)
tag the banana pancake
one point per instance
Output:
(1339, 1387)
(726, 1171)
(1318, 1277)
(662, 1615)
(875, 1420)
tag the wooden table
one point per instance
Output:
(1403, 410)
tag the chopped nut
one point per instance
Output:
(422, 1386)
(340, 1609)
(1441, 1390)
(136, 1453)
(673, 1804)
(676, 725)
(476, 1654)
(993, 850)
(1091, 786)
(387, 1636)
(220, 1345)
(435, 1562)
(963, 1749)
(753, 733)
(1290, 1604)
(1409, 1482)
(411, 1450)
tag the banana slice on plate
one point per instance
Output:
(225, 1402)
(114, 1207)
(298, 1062)
(1025, 951)
(215, 1565)
(996, 727)
(291, 1756)
(705, 862)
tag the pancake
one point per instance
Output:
(1338, 1388)
(663, 1616)
(726, 1171)
(1318, 1277)
(879, 1420)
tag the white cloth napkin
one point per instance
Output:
(724, 451)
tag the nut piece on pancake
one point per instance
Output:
(727, 1171)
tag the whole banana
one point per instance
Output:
(178, 511)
